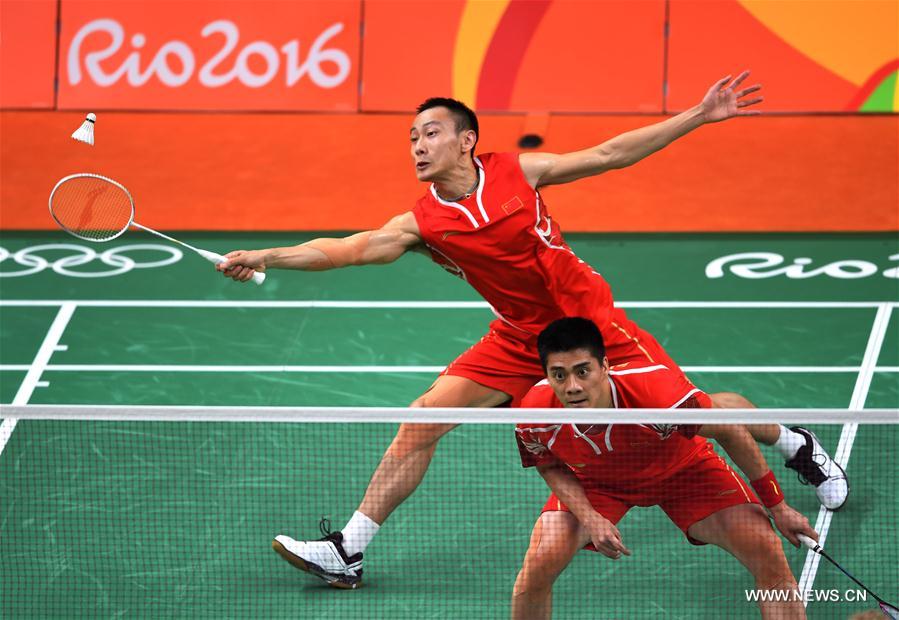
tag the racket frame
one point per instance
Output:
(258, 277)
(91, 175)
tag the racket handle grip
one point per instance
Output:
(808, 542)
(212, 257)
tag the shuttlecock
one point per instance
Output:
(85, 133)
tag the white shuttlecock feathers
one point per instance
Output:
(85, 133)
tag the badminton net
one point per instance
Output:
(161, 511)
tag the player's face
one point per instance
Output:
(579, 379)
(436, 146)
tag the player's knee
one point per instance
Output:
(542, 565)
(773, 572)
(416, 437)
(532, 579)
(762, 552)
(428, 399)
(777, 580)
(731, 400)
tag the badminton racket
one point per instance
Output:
(98, 209)
(890, 611)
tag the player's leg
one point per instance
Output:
(555, 539)
(337, 557)
(404, 464)
(767, 434)
(647, 347)
(711, 504)
(801, 450)
(745, 531)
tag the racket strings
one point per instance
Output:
(91, 208)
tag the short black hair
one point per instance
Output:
(569, 334)
(463, 116)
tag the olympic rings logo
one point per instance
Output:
(31, 258)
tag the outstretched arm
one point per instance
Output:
(384, 245)
(722, 101)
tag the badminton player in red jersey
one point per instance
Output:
(484, 220)
(598, 472)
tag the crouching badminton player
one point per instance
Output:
(598, 472)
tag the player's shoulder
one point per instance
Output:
(647, 385)
(636, 369)
(495, 158)
(426, 199)
(501, 161)
(541, 396)
(425, 208)
(504, 174)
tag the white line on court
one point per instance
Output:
(238, 368)
(316, 368)
(422, 305)
(847, 437)
(33, 376)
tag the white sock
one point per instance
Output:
(358, 533)
(789, 442)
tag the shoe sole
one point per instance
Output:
(308, 567)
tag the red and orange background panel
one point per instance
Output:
(818, 56)
(539, 55)
(149, 76)
(587, 56)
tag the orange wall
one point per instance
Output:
(332, 171)
(27, 53)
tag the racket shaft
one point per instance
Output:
(811, 544)
(172, 239)
(212, 257)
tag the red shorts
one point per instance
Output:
(506, 359)
(701, 488)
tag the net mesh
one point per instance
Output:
(171, 512)
(91, 208)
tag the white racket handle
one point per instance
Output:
(808, 542)
(212, 257)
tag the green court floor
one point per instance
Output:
(175, 519)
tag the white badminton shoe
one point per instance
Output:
(815, 467)
(325, 558)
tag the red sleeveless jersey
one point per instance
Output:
(502, 241)
(620, 455)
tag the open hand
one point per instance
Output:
(724, 101)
